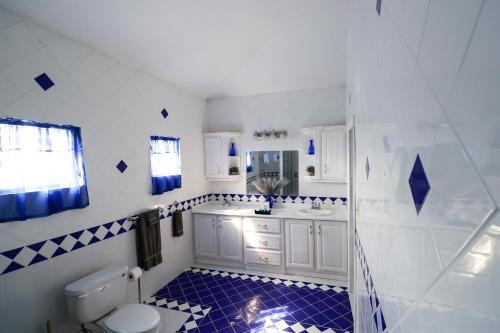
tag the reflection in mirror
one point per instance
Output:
(275, 165)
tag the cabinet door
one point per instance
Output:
(333, 153)
(214, 152)
(230, 238)
(205, 236)
(299, 244)
(331, 246)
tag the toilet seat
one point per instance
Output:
(133, 318)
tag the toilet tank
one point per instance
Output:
(96, 294)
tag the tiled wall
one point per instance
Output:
(290, 110)
(118, 108)
(424, 80)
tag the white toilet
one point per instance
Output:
(99, 294)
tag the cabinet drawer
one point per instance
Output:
(262, 225)
(263, 241)
(272, 258)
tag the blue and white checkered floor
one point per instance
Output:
(220, 301)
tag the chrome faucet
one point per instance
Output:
(226, 203)
(315, 205)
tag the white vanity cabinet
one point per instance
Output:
(319, 246)
(205, 235)
(334, 153)
(330, 153)
(230, 238)
(218, 237)
(218, 162)
(263, 242)
(331, 246)
(282, 245)
(300, 244)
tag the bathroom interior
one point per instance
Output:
(249, 166)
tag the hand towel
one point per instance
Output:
(177, 225)
(148, 239)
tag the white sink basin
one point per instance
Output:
(223, 208)
(316, 212)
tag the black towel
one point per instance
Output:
(177, 226)
(148, 239)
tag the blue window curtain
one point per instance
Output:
(41, 169)
(165, 164)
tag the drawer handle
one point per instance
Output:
(265, 243)
(263, 226)
(266, 259)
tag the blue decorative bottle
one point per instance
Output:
(232, 150)
(311, 147)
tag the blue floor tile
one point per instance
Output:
(239, 304)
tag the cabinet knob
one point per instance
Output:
(310, 230)
(319, 230)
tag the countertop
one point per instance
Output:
(292, 211)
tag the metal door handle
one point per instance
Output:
(265, 243)
(264, 226)
(310, 230)
(264, 259)
(319, 230)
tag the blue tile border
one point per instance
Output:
(336, 201)
(377, 313)
(22, 257)
(25, 256)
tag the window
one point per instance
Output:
(249, 162)
(165, 164)
(41, 170)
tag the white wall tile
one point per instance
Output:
(7, 19)
(412, 23)
(44, 36)
(23, 38)
(446, 36)
(67, 52)
(8, 52)
(473, 107)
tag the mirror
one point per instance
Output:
(274, 164)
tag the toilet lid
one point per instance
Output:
(133, 318)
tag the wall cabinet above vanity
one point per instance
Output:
(325, 152)
(222, 156)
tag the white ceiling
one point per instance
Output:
(212, 48)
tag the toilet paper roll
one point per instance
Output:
(134, 274)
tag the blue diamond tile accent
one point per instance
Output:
(44, 81)
(419, 184)
(122, 166)
(164, 113)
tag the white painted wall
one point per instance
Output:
(118, 108)
(425, 77)
(291, 111)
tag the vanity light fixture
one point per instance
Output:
(271, 134)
